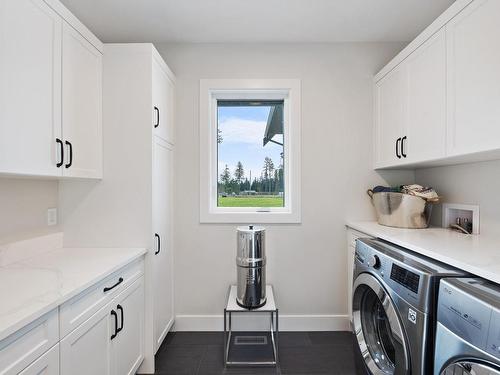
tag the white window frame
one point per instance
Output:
(287, 90)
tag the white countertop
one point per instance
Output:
(477, 254)
(33, 286)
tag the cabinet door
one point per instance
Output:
(82, 102)
(473, 39)
(30, 88)
(128, 346)
(426, 124)
(87, 350)
(390, 116)
(163, 104)
(47, 364)
(163, 255)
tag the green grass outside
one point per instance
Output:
(251, 201)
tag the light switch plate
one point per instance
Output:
(52, 216)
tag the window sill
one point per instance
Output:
(271, 217)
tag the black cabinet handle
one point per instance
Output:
(113, 313)
(158, 240)
(108, 288)
(70, 154)
(157, 117)
(120, 308)
(58, 165)
(403, 146)
(397, 148)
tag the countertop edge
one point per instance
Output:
(5, 333)
(475, 270)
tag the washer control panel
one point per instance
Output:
(399, 277)
(405, 277)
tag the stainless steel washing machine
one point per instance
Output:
(394, 294)
(468, 328)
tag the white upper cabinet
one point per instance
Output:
(473, 38)
(50, 92)
(30, 94)
(410, 107)
(390, 116)
(445, 85)
(82, 102)
(426, 101)
(163, 102)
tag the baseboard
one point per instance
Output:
(258, 322)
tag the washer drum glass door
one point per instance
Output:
(378, 329)
(470, 368)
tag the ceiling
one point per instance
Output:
(257, 20)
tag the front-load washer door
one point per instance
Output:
(471, 368)
(378, 329)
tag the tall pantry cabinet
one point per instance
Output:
(132, 205)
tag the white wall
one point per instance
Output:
(307, 262)
(475, 183)
(23, 207)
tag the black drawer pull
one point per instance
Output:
(397, 148)
(70, 154)
(108, 288)
(403, 146)
(120, 308)
(157, 111)
(113, 312)
(158, 249)
(58, 165)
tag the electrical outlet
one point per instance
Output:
(52, 216)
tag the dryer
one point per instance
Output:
(394, 294)
(468, 328)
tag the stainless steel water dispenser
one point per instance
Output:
(251, 267)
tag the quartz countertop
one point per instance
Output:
(477, 254)
(33, 286)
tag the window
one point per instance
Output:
(250, 151)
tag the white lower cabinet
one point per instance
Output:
(84, 336)
(23, 347)
(47, 364)
(87, 350)
(127, 348)
(111, 342)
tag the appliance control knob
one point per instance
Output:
(374, 261)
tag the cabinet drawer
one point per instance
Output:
(78, 309)
(21, 348)
(47, 364)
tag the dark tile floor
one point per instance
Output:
(301, 353)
